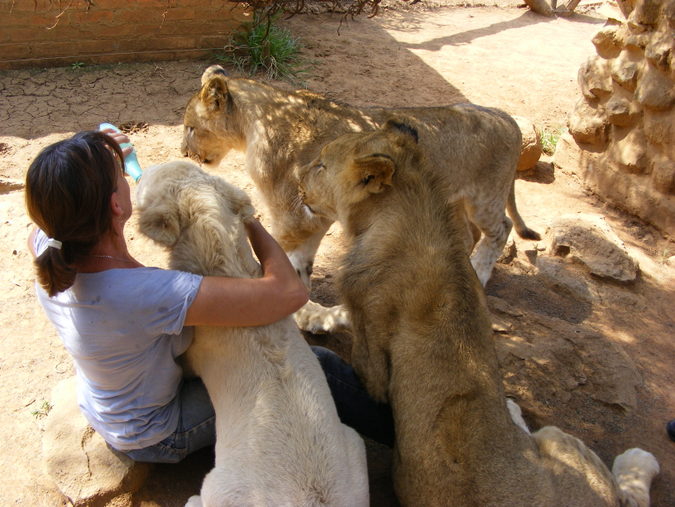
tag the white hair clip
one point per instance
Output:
(54, 243)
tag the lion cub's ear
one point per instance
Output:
(159, 222)
(214, 93)
(402, 131)
(211, 71)
(374, 172)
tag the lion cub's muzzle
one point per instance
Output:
(193, 155)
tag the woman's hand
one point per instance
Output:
(120, 138)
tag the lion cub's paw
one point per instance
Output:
(634, 471)
(246, 212)
(239, 201)
(194, 501)
(319, 319)
(635, 463)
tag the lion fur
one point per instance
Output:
(279, 438)
(475, 150)
(422, 341)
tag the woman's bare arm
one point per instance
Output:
(225, 301)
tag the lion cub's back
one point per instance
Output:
(317, 454)
(280, 433)
(474, 149)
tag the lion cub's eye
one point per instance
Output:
(319, 167)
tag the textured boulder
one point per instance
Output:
(624, 121)
(589, 240)
(607, 42)
(588, 124)
(626, 68)
(621, 111)
(629, 152)
(595, 79)
(84, 468)
(663, 175)
(540, 7)
(531, 147)
(655, 90)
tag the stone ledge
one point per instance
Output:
(85, 469)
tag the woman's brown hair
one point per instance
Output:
(68, 189)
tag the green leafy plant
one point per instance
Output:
(76, 66)
(263, 47)
(549, 139)
(42, 410)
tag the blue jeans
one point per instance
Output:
(354, 405)
(197, 429)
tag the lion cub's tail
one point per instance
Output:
(518, 223)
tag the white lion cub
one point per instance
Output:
(279, 439)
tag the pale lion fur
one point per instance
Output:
(475, 150)
(422, 341)
(279, 439)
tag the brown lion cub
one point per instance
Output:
(423, 341)
(474, 148)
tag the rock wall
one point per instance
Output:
(42, 33)
(623, 126)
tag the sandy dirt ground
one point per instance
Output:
(591, 356)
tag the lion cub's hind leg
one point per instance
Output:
(634, 471)
(318, 319)
(490, 246)
(194, 501)
(627, 484)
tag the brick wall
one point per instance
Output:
(44, 33)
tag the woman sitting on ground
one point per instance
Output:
(125, 324)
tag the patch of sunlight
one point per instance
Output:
(623, 336)
(653, 265)
(466, 50)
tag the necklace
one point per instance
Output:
(113, 258)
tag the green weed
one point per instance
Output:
(263, 47)
(76, 66)
(42, 410)
(550, 138)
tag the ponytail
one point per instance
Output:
(53, 272)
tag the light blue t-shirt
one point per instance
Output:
(124, 329)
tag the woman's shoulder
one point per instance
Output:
(140, 276)
(138, 287)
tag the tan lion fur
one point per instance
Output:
(422, 341)
(279, 438)
(475, 150)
